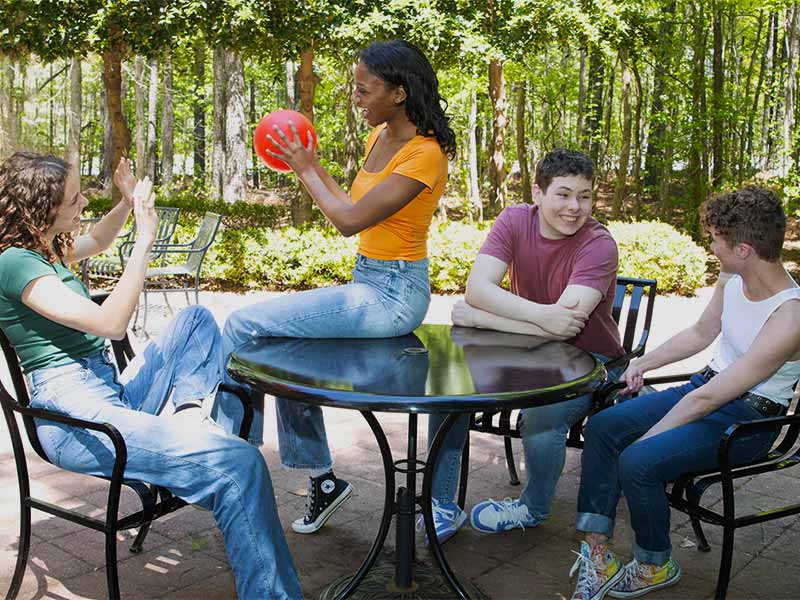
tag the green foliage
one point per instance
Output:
(651, 249)
(452, 248)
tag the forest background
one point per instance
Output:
(672, 99)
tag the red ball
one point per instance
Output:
(281, 118)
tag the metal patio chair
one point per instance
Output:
(155, 501)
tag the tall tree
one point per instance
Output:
(167, 121)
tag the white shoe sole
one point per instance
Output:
(300, 526)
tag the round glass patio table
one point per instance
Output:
(436, 369)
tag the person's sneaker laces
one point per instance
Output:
(491, 516)
(326, 493)
(598, 571)
(639, 579)
(448, 518)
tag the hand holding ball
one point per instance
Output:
(263, 145)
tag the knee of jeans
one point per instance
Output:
(634, 465)
(598, 425)
(533, 422)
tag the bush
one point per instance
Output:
(655, 250)
(252, 251)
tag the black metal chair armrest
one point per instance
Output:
(120, 449)
(751, 427)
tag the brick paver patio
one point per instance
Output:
(184, 556)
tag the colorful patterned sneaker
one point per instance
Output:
(491, 516)
(598, 571)
(326, 493)
(638, 579)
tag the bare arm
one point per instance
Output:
(105, 231)
(51, 298)
(777, 342)
(565, 319)
(465, 315)
(683, 344)
(382, 201)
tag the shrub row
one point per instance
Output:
(250, 252)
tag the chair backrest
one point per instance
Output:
(640, 289)
(21, 399)
(202, 242)
(167, 223)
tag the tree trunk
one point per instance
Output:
(608, 111)
(307, 82)
(152, 120)
(229, 166)
(581, 96)
(696, 173)
(352, 143)
(199, 111)
(655, 160)
(637, 138)
(107, 147)
(139, 128)
(717, 99)
(51, 125)
(291, 100)
(75, 113)
(497, 160)
(769, 91)
(594, 109)
(746, 137)
(790, 87)
(625, 146)
(167, 122)
(120, 135)
(253, 118)
(522, 148)
(472, 132)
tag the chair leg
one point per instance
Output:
(725, 560)
(22, 552)
(513, 479)
(702, 543)
(112, 576)
(138, 542)
(464, 475)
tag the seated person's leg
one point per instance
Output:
(352, 310)
(607, 434)
(200, 465)
(448, 517)
(544, 432)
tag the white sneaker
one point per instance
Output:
(491, 516)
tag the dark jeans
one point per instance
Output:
(613, 463)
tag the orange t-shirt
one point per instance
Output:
(403, 235)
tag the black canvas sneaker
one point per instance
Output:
(326, 493)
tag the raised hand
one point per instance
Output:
(293, 152)
(144, 212)
(124, 180)
(564, 321)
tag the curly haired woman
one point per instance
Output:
(60, 335)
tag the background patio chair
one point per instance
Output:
(110, 267)
(155, 501)
(161, 279)
(630, 293)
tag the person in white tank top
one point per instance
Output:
(637, 446)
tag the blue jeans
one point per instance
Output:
(386, 298)
(544, 432)
(201, 465)
(614, 464)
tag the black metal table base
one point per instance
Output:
(379, 584)
(404, 577)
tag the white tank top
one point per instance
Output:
(742, 319)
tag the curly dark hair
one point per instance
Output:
(397, 63)
(751, 215)
(31, 188)
(561, 162)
